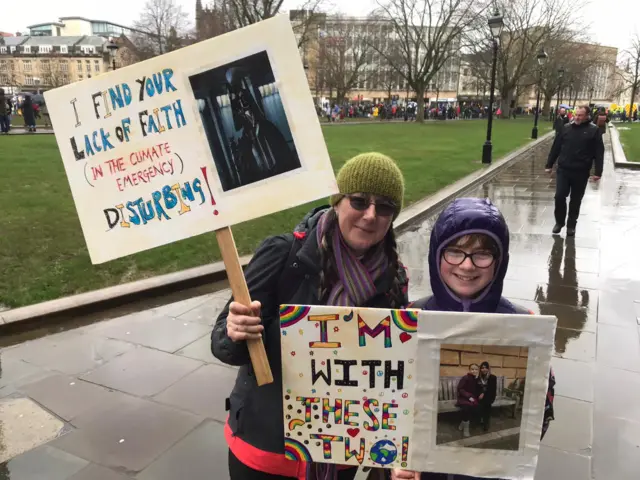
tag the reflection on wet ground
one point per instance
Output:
(142, 397)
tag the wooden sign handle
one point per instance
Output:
(241, 295)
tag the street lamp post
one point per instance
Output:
(495, 24)
(542, 60)
(560, 77)
(113, 49)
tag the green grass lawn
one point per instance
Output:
(630, 140)
(42, 251)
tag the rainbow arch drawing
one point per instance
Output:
(405, 320)
(290, 315)
(294, 450)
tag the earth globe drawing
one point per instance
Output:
(383, 452)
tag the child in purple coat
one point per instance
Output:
(468, 397)
(468, 260)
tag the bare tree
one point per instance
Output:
(631, 72)
(344, 51)
(528, 25)
(53, 73)
(240, 13)
(158, 19)
(425, 34)
(578, 61)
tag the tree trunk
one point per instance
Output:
(505, 103)
(546, 106)
(634, 91)
(420, 101)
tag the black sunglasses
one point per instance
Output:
(383, 208)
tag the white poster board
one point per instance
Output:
(349, 381)
(195, 140)
(429, 435)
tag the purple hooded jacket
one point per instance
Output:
(465, 216)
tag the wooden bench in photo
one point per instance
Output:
(448, 395)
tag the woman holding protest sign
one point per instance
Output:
(340, 255)
(468, 260)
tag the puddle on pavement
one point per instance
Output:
(24, 331)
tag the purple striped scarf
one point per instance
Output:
(356, 277)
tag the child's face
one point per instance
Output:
(484, 370)
(473, 370)
(467, 280)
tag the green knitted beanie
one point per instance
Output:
(372, 173)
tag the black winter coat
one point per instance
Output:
(577, 148)
(275, 276)
(560, 123)
(489, 390)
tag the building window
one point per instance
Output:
(45, 65)
(96, 65)
(64, 67)
(88, 65)
(44, 49)
(4, 80)
(87, 49)
(27, 49)
(13, 49)
(3, 49)
(3, 65)
(64, 49)
(26, 65)
(28, 80)
(65, 79)
(80, 77)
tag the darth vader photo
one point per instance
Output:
(245, 121)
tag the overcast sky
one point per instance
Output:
(612, 21)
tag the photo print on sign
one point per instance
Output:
(349, 379)
(245, 121)
(480, 396)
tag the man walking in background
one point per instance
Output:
(561, 121)
(576, 148)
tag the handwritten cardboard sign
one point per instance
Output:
(349, 379)
(192, 141)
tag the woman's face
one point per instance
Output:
(362, 229)
(473, 370)
(484, 370)
(466, 280)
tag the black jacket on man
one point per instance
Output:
(285, 269)
(577, 147)
(559, 124)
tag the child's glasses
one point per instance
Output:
(455, 256)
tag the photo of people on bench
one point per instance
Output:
(480, 396)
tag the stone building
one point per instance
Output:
(508, 362)
(377, 81)
(37, 63)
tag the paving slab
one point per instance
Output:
(202, 392)
(42, 463)
(618, 347)
(554, 464)
(98, 472)
(574, 378)
(572, 431)
(129, 435)
(142, 371)
(201, 455)
(156, 331)
(68, 352)
(69, 397)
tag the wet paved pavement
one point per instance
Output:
(142, 397)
